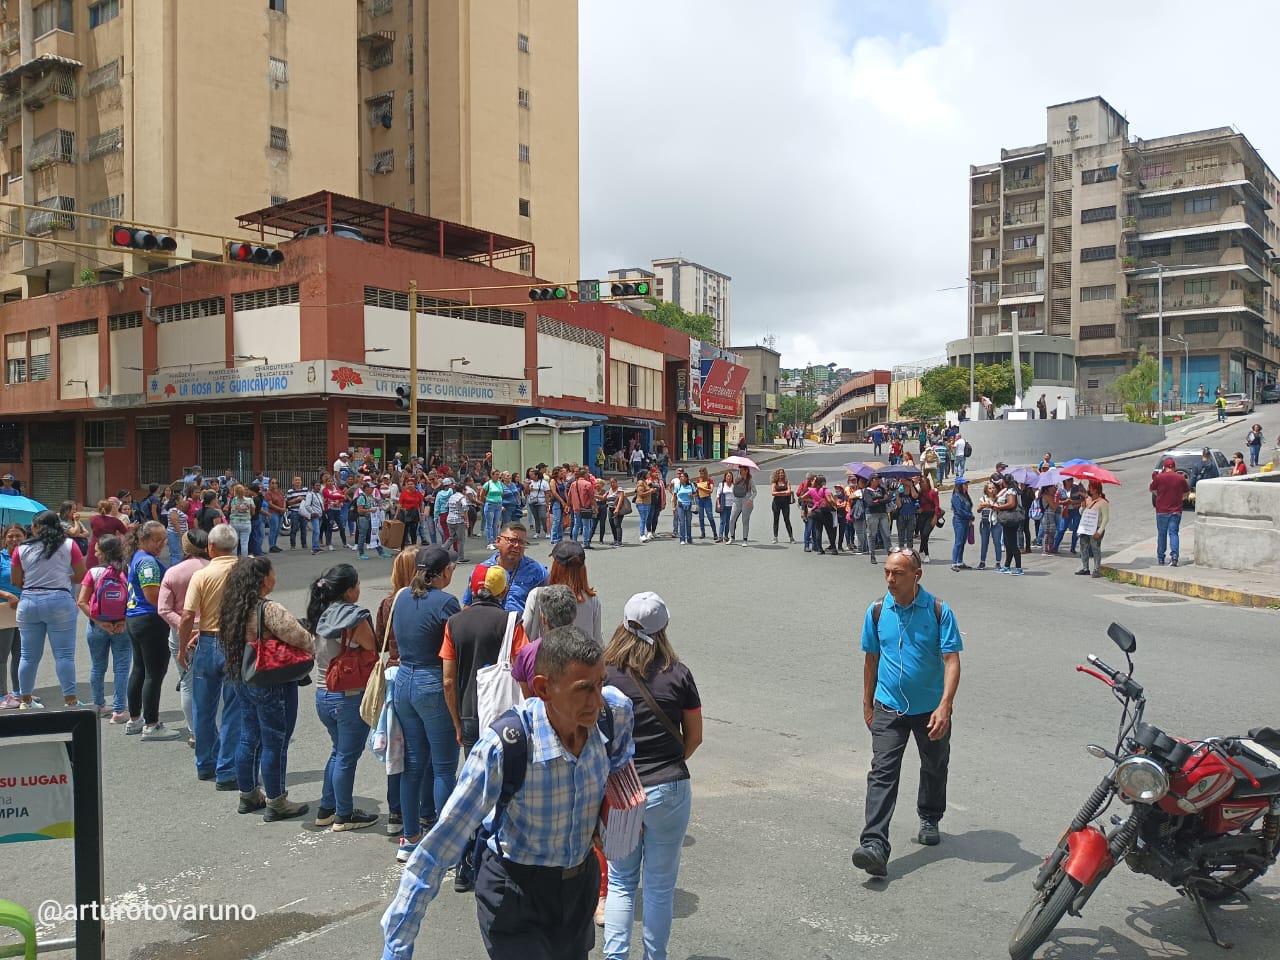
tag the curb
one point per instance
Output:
(1186, 588)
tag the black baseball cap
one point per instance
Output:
(434, 560)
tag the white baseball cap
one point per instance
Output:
(645, 614)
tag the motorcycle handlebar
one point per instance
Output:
(1111, 672)
(1095, 674)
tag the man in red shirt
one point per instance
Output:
(1170, 488)
(582, 500)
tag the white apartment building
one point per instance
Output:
(697, 289)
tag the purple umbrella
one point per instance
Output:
(860, 469)
(1050, 478)
(901, 471)
(1023, 474)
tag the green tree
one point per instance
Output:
(923, 407)
(996, 381)
(795, 410)
(697, 325)
(946, 386)
(1137, 387)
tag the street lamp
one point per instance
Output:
(462, 360)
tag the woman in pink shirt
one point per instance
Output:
(173, 594)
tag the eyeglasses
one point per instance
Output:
(514, 542)
(910, 554)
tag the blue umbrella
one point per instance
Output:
(1023, 474)
(1077, 462)
(19, 509)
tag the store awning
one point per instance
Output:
(553, 423)
(642, 422)
(572, 415)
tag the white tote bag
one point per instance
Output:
(497, 691)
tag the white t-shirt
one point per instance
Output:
(538, 491)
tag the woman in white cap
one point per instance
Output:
(668, 729)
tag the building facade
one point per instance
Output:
(114, 385)
(178, 115)
(696, 289)
(760, 398)
(855, 407)
(1093, 234)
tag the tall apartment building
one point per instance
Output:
(495, 144)
(186, 115)
(697, 289)
(1092, 234)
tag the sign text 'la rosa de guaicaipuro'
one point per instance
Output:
(37, 801)
(234, 383)
(364, 380)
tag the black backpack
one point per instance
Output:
(968, 449)
(879, 605)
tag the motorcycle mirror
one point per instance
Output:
(1123, 638)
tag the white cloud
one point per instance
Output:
(818, 151)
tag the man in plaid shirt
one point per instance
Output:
(543, 845)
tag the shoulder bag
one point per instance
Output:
(658, 712)
(624, 507)
(351, 668)
(375, 691)
(267, 661)
(497, 691)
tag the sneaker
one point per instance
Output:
(120, 716)
(406, 849)
(160, 732)
(76, 704)
(872, 860)
(132, 727)
(982, 566)
(325, 817)
(775, 539)
(1082, 573)
(364, 556)
(1002, 569)
(226, 786)
(352, 546)
(955, 568)
(276, 550)
(1096, 574)
(356, 820)
(1173, 562)
(200, 775)
(490, 546)
(965, 566)
(331, 548)
(314, 552)
(464, 884)
(37, 705)
(928, 835)
(104, 712)
(1017, 572)
(9, 702)
(251, 802)
(394, 823)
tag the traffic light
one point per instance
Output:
(631, 288)
(588, 291)
(549, 293)
(137, 239)
(251, 253)
(402, 398)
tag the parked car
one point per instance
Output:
(1271, 393)
(339, 230)
(1238, 403)
(1187, 461)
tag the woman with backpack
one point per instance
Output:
(268, 712)
(43, 568)
(173, 597)
(1010, 515)
(104, 599)
(641, 662)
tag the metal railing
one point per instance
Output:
(985, 264)
(53, 217)
(1024, 253)
(1023, 183)
(56, 146)
(1015, 289)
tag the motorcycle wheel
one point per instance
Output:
(1047, 908)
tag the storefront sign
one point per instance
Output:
(363, 380)
(694, 395)
(722, 384)
(233, 383)
(882, 393)
(36, 795)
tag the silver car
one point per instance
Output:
(1238, 403)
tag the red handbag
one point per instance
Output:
(350, 669)
(267, 661)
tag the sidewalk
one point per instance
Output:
(1243, 588)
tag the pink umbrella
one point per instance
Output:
(737, 461)
(1090, 471)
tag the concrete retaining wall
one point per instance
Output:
(1025, 441)
(1237, 525)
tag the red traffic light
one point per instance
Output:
(138, 239)
(251, 253)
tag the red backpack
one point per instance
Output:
(110, 599)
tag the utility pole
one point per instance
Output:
(413, 369)
(971, 299)
(1160, 343)
(1017, 366)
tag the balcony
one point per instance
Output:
(9, 37)
(1236, 215)
(981, 199)
(1022, 289)
(1149, 308)
(1226, 173)
(1022, 184)
(985, 265)
(986, 230)
(1024, 219)
(58, 83)
(1023, 255)
(53, 217)
(1230, 257)
(56, 146)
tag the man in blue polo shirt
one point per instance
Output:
(523, 573)
(910, 674)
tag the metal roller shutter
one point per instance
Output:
(227, 445)
(153, 457)
(295, 449)
(53, 463)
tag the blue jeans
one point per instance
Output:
(298, 528)
(426, 797)
(175, 546)
(344, 513)
(333, 520)
(643, 509)
(216, 741)
(430, 741)
(364, 530)
(184, 682)
(960, 462)
(557, 522)
(1070, 522)
(666, 818)
(1255, 450)
(49, 613)
(989, 532)
(584, 523)
(270, 714)
(341, 716)
(273, 521)
(725, 513)
(244, 532)
(257, 529)
(704, 512)
(492, 520)
(1167, 526)
(684, 522)
(961, 528)
(118, 647)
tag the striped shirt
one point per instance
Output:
(549, 822)
(293, 498)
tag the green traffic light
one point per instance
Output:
(561, 293)
(642, 289)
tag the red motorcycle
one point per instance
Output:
(1202, 815)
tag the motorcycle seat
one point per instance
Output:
(1267, 777)
(1267, 736)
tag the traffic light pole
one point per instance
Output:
(413, 369)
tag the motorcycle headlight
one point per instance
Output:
(1142, 780)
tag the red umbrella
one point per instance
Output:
(1090, 471)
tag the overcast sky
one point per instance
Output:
(818, 151)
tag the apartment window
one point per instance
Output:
(1207, 286)
(526, 262)
(524, 153)
(524, 207)
(1203, 163)
(382, 56)
(39, 369)
(1099, 174)
(277, 199)
(1200, 204)
(1104, 292)
(15, 358)
(1200, 325)
(100, 13)
(1097, 331)
(279, 138)
(381, 108)
(1097, 214)
(1026, 243)
(1157, 248)
(104, 78)
(1026, 277)
(112, 141)
(522, 42)
(1200, 245)
(56, 146)
(1147, 291)
(112, 207)
(104, 434)
(1152, 170)
(1149, 211)
(277, 71)
(50, 16)
(1091, 254)
(1024, 208)
(276, 5)
(53, 215)
(384, 161)
(522, 98)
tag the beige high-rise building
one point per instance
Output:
(494, 144)
(1094, 234)
(184, 115)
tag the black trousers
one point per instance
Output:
(889, 735)
(924, 527)
(782, 510)
(411, 519)
(149, 635)
(531, 913)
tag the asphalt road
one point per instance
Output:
(771, 634)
